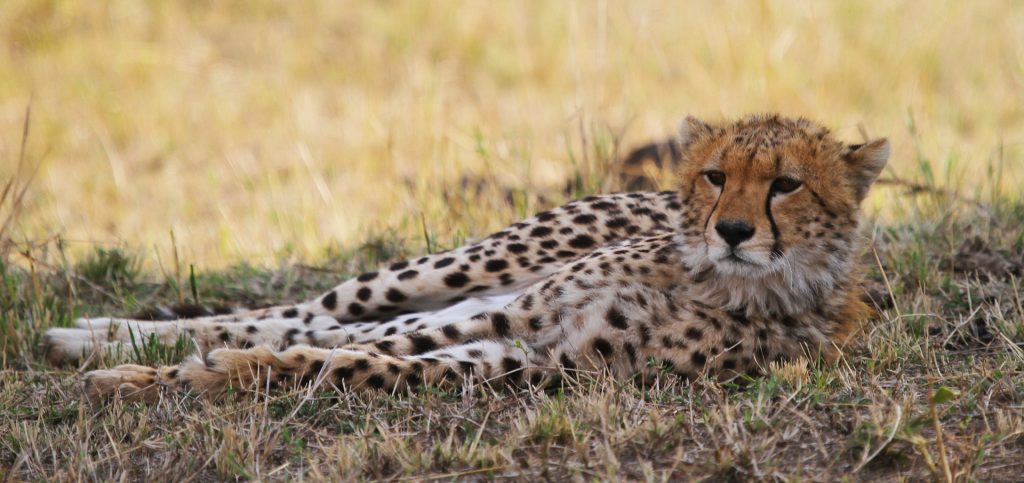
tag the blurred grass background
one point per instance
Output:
(256, 129)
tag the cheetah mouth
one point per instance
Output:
(735, 258)
(731, 260)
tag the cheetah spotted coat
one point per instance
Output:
(751, 260)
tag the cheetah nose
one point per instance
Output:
(734, 232)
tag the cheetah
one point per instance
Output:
(752, 259)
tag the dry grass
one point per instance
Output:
(314, 139)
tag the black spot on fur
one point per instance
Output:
(290, 334)
(398, 266)
(541, 232)
(616, 223)
(375, 381)
(343, 374)
(450, 331)
(444, 262)
(251, 329)
(330, 301)
(422, 343)
(500, 323)
(384, 346)
(366, 277)
(496, 265)
(584, 219)
(698, 358)
(582, 241)
(603, 347)
(390, 331)
(356, 309)
(449, 374)
(394, 295)
(362, 364)
(693, 333)
(616, 318)
(536, 323)
(406, 275)
(290, 313)
(315, 367)
(566, 362)
(511, 366)
(364, 294)
(517, 248)
(456, 280)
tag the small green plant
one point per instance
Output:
(112, 268)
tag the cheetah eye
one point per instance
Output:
(785, 185)
(715, 177)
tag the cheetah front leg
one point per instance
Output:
(261, 368)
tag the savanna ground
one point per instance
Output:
(259, 152)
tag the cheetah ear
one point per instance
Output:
(866, 162)
(692, 129)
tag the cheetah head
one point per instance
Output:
(772, 208)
